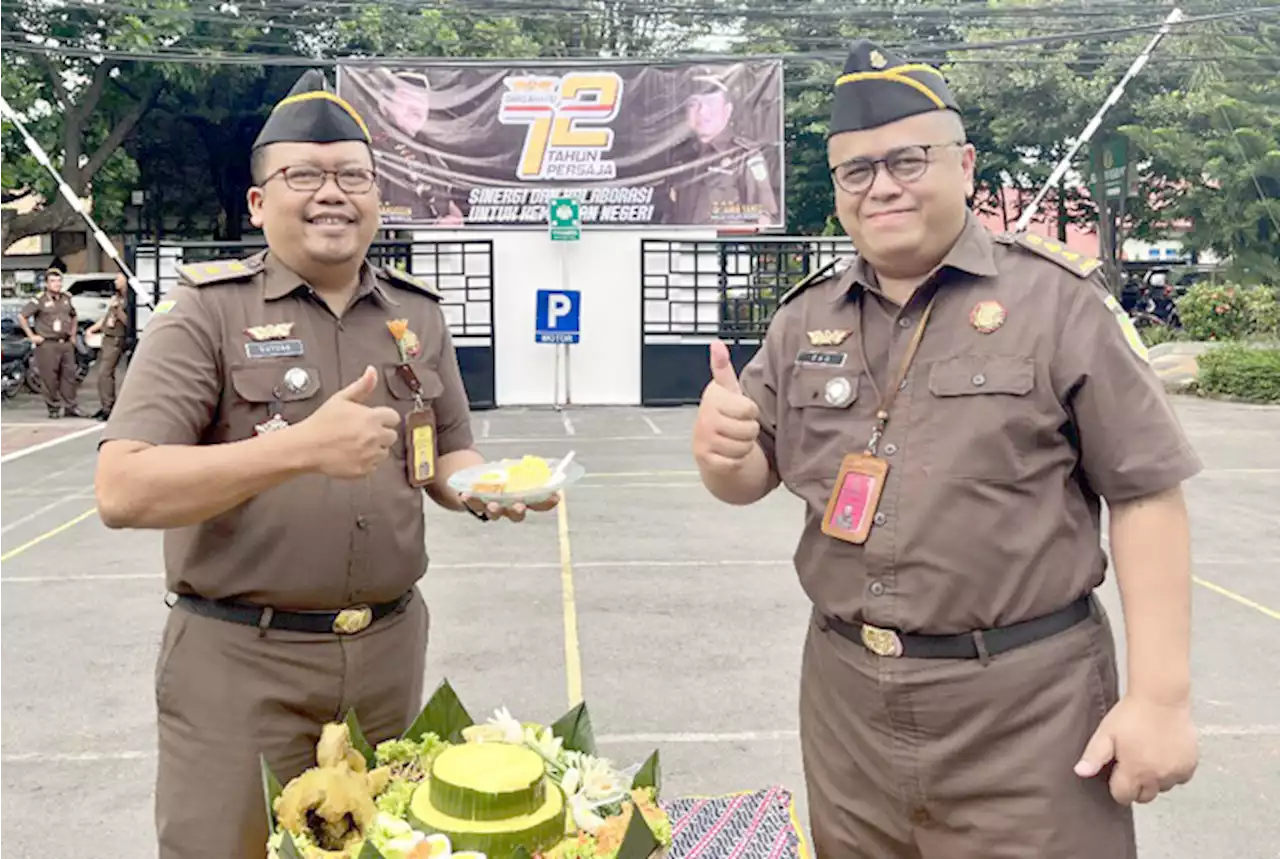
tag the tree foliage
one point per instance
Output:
(1214, 149)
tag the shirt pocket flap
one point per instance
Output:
(813, 387)
(267, 384)
(432, 384)
(967, 375)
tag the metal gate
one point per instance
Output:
(695, 291)
(461, 269)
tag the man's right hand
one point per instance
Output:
(347, 438)
(36, 339)
(725, 431)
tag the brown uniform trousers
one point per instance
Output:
(56, 363)
(224, 693)
(960, 760)
(108, 359)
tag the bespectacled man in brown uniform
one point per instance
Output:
(953, 409)
(49, 321)
(280, 419)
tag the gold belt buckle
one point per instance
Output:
(352, 620)
(882, 642)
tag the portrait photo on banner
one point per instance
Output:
(487, 146)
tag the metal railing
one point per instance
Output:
(727, 288)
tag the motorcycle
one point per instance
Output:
(17, 353)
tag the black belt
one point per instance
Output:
(346, 621)
(967, 645)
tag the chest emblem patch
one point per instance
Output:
(275, 331)
(828, 336)
(987, 316)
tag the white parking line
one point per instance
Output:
(17, 523)
(656, 738)
(53, 442)
(484, 429)
(568, 424)
(652, 425)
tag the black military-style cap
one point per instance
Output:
(705, 81)
(312, 113)
(878, 87)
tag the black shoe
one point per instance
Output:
(55, 412)
(101, 415)
(72, 412)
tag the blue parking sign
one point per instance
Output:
(557, 316)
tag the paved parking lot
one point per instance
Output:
(679, 618)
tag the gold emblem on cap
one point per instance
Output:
(987, 316)
(877, 60)
(828, 336)
(276, 331)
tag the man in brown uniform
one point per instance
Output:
(49, 321)
(953, 409)
(114, 326)
(280, 420)
(726, 180)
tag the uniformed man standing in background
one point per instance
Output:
(114, 327)
(281, 420)
(973, 399)
(49, 321)
(726, 180)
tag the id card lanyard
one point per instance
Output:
(419, 433)
(851, 509)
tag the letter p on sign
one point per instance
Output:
(557, 317)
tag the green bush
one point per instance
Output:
(1229, 312)
(1210, 312)
(1264, 310)
(1246, 372)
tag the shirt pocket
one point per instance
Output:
(979, 417)
(820, 427)
(404, 398)
(266, 390)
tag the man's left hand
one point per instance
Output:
(516, 512)
(1152, 743)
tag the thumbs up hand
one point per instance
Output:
(727, 425)
(347, 438)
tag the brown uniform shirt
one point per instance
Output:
(116, 319)
(999, 444)
(51, 316)
(199, 378)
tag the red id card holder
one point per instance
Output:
(852, 506)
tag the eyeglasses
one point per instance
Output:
(905, 164)
(353, 180)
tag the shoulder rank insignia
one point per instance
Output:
(219, 271)
(1081, 265)
(402, 278)
(812, 278)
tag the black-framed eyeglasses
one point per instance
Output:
(353, 180)
(905, 164)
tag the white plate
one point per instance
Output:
(462, 481)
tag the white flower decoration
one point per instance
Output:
(512, 730)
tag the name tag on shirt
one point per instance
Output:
(822, 359)
(274, 349)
